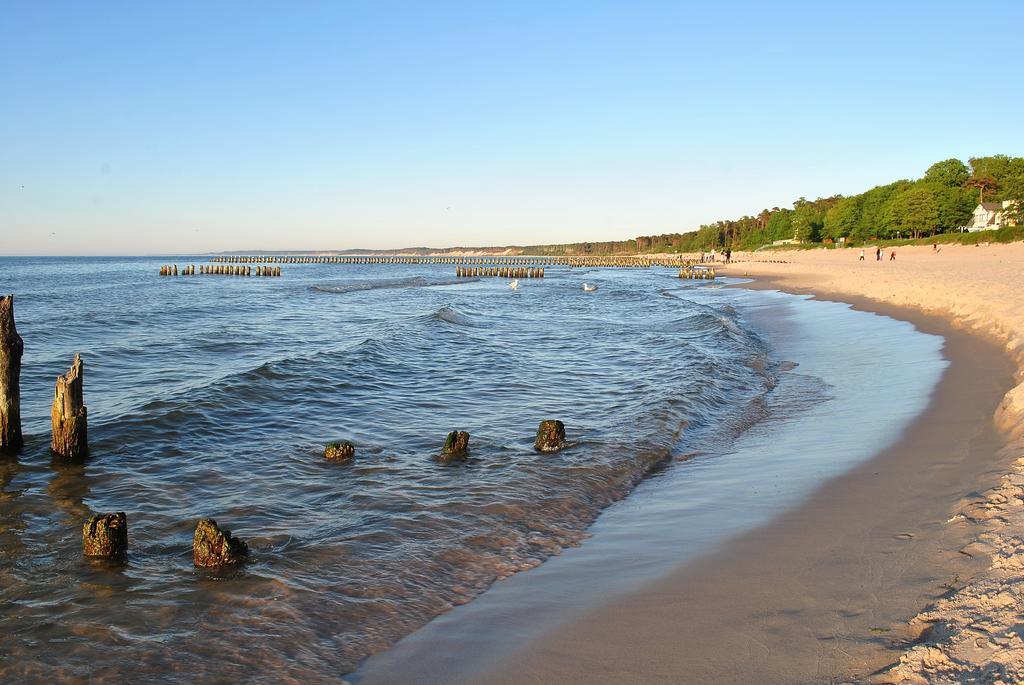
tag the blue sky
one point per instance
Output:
(131, 128)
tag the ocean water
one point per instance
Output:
(214, 396)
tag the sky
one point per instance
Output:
(173, 128)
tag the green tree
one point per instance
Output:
(876, 219)
(994, 167)
(916, 210)
(803, 228)
(842, 218)
(955, 205)
(780, 225)
(951, 173)
(808, 219)
(1014, 191)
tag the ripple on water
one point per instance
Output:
(218, 402)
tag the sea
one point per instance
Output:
(214, 396)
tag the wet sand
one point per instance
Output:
(823, 593)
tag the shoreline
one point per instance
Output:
(971, 634)
(664, 630)
(926, 661)
(822, 591)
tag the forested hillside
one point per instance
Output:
(940, 201)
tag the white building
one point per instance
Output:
(989, 215)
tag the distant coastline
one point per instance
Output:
(982, 201)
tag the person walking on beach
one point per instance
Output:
(728, 255)
(713, 255)
(862, 255)
(878, 254)
(892, 256)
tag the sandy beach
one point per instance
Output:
(971, 634)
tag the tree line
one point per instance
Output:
(940, 201)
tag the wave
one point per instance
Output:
(387, 283)
(453, 316)
(375, 284)
(373, 351)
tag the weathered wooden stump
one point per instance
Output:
(11, 349)
(105, 535)
(68, 415)
(456, 447)
(212, 546)
(550, 436)
(339, 451)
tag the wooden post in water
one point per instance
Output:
(68, 415)
(212, 546)
(11, 349)
(106, 535)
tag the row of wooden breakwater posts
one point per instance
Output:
(220, 270)
(499, 271)
(582, 260)
(105, 535)
(689, 271)
(700, 273)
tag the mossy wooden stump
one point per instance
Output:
(456, 447)
(213, 547)
(106, 535)
(68, 415)
(339, 451)
(11, 349)
(550, 436)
